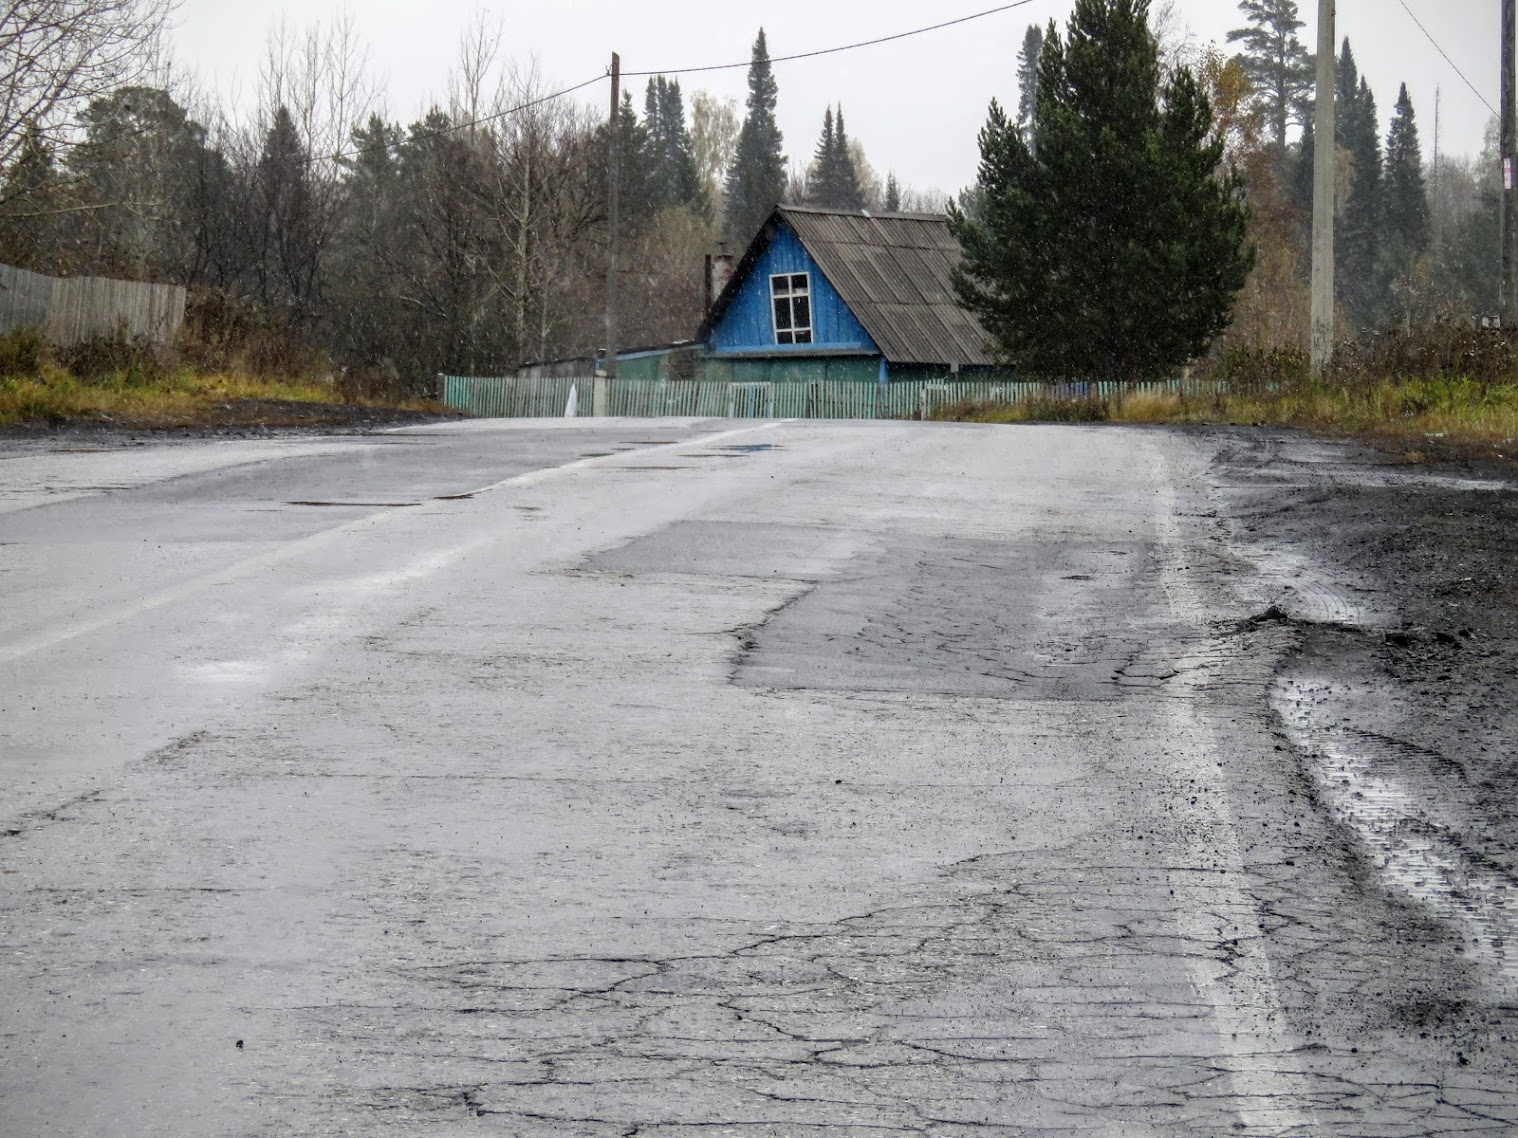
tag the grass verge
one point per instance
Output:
(1416, 417)
(181, 398)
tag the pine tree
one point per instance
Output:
(1358, 237)
(1406, 209)
(1071, 277)
(892, 194)
(1279, 68)
(756, 182)
(1027, 78)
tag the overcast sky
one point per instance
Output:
(916, 105)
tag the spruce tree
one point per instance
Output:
(1027, 78)
(892, 194)
(1299, 179)
(640, 197)
(288, 262)
(1406, 193)
(1279, 68)
(1112, 248)
(1358, 235)
(833, 180)
(674, 180)
(756, 182)
(822, 178)
(1406, 208)
(847, 194)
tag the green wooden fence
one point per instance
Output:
(521, 398)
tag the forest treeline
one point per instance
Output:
(318, 233)
(1416, 232)
(321, 233)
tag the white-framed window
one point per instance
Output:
(791, 300)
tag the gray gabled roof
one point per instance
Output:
(895, 272)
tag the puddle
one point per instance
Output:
(1408, 817)
(359, 505)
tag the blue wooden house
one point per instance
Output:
(833, 295)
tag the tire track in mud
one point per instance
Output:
(1356, 693)
(1390, 796)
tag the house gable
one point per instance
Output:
(746, 326)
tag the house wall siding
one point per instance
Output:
(748, 324)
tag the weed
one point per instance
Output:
(22, 351)
(118, 360)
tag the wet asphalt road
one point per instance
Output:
(681, 778)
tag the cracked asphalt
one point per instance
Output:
(681, 778)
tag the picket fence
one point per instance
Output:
(73, 309)
(551, 397)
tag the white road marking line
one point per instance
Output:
(1255, 1044)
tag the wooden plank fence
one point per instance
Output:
(549, 397)
(73, 309)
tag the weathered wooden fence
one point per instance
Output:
(550, 397)
(72, 309)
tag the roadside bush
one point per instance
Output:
(1041, 409)
(1444, 351)
(381, 383)
(1248, 368)
(1046, 409)
(131, 361)
(229, 334)
(22, 351)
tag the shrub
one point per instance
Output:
(1048, 408)
(132, 361)
(22, 351)
(1252, 368)
(234, 334)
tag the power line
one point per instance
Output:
(1447, 59)
(454, 128)
(495, 116)
(836, 50)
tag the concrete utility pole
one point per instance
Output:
(1509, 299)
(613, 195)
(1323, 193)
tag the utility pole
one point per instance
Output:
(1436, 213)
(1509, 299)
(613, 194)
(1323, 192)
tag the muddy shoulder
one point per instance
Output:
(1394, 586)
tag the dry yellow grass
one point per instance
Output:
(179, 399)
(1459, 412)
(1434, 415)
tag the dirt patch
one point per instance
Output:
(242, 418)
(1399, 698)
